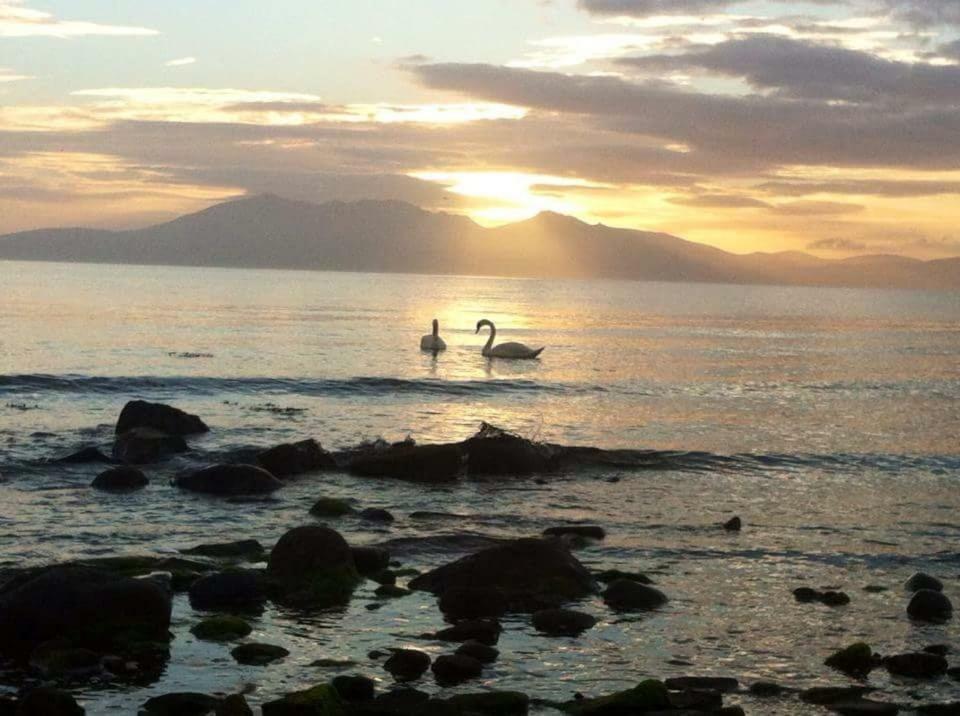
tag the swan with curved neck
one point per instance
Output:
(514, 351)
(432, 341)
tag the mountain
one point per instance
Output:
(388, 236)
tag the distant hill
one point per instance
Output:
(388, 236)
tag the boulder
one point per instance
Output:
(407, 664)
(491, 703)
(427, 463)
(483, 653)
(255, 654)
(919, 665)
(723, 684)
(857, 660)
(181, 704)
(486, 631)
(828, 695)
(173, 421)
(292, 459)
(45, 701)
(923, 581)
(562, 622)
(734, 524)
(234, 705)
(240, 549)
(313, 566)
(928, 605)
(120, 479)
(830, 598)
(391, 591)
(648, 696)
(331, 507)
(240, 589)
(354, 688)
(221, 628)
(321, 700)
(88, 608)
(370, 560)
(376, 514)
(229, 480)
(531, 574)
(451, 669)
(496, 452)
(626, 595)
(472, 603)
(85, 455)
(141, 446)
(586, 531)
(612, 575)
(56, 659)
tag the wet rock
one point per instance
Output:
(954, 673)
(292, 459)
(119, 479)
(428, 463)
(322, 700)
(646, 697)
(407, 664)
(376, 514)
(451, 669)
(724, 685)
(806, 595)
(923, 581)
(864, 707)
(930, 606)
(58, 659)
(945, 709)
(333, 663)
(857, 660)
(612, 575)
(829, 598)
(919, 665)
(181, 704)
(493, 451)
(370, 560)
(313, 566)
(585, 531)
(875, 588)
(167, 419)
(141, 446)
(241, 549)
(87, 607)
(562, 622)
(472, 603)
(402, 701)
(766, 689)
(734, 524)
(486, 631)
(531, 574)
(234, 705)
(941, 649)
(491, 703)
(391, 591)
(354, 688)
(242, 589)
(255, 654)
(827, 695)
(483, 653)
(229, 480)
(85, 455)
(331, 507)
(626, 595)
(221, 628)
(701, 700)
(45, 701)
(383, 577)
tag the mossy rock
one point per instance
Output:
(649, 695)
(331, 507)
(322, 590)
(254, 654)
(321, 700)
(221, 628)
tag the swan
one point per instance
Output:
(433, 341)
(516, 351)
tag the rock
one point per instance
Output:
(383, 577)
(246, 549)
(483, 653)
(724, 685)
(243, 589)
(806, 595)
(229, 480)
(370, 560)
(331, 507)
(930, 606)
(376, 514)
(428, 463)
(120, 478)
(486, 631)
(173, 421)
(234, 705)
(586, 531)
(493, 451)
(941, 649)
(88, 608)
(85, 455)
(472, 603)
(923, 581)
(857, 660)
(919, 665)
(954, 673)
(766, 689)
(391, 591)
(255, 654)
(221, 628)
(626, 595)
(945, 709)
(875, 588)
(562, 622)
(354, 688)
(451, 669)
(45, 701)
(181, 704)
(57, 659)
(612, 575)
(734, 524)
(141, 446)
(407, 664)
(827, 695)
(830, 598)
(313, 566)
(292, 459)
(403, 701)
(646, 697)
(491, 703)
(321, 700)
(699, 700)
(864, 707)
(531, 574)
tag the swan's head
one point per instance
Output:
(483, 322)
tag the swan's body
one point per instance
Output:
(513, 351)
(432, 341)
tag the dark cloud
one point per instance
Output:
(815, 71)
(925, 13)
(817, 208)
(645, 8)
(721, 201)
(864, 187)
(951, 49)
(837, 244)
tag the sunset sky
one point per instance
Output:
(829, 127)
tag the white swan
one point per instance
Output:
(432, 341)
(516, 351)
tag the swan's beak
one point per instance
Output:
(477, 331)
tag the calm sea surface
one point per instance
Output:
(840, 407)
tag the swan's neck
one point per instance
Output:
(436, 329)
(493, 335)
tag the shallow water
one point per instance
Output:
(841, 407)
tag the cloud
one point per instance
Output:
(837, 244)
(721, 201)
(925, 13)
(647, 8)
(817, 208)
(7, 75)
(181, 62)
(862, 187)
(19, 21)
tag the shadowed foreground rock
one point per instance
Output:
(427, 463)
(141, 446)
(240, 589)
(292, 459)
(46, 701)
(531, 574)
(645, 697)
(119, 479)
(229, 480)
(626, 595)
(312, 566)
(930, 606)
(167, 419)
